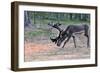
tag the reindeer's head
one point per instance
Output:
(62, 37)
(56, 26)
(62, 34)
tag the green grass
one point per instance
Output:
(64, 22)
(42, 30)
(38, 32)
(69, 22)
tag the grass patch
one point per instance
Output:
(38, 32)
(64, 22)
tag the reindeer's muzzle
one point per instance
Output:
(58, 43)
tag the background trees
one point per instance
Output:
(36, 18)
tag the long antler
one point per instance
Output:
(58, 28)
(55, 26)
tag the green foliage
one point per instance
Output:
(66, 18)
(38, 32)
(39, 21)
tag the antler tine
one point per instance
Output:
(50, 24)
(55, 26)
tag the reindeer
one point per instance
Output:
(69, 32)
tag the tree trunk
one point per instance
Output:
(27, 19)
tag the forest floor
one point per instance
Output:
(43, 49)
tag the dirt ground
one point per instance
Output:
(47, 50)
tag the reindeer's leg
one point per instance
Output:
(87, 34)
(74, 41)
(66, 41)
(87, 40)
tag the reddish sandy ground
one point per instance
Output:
(32, 49)
(36, 48)
(49, 51)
